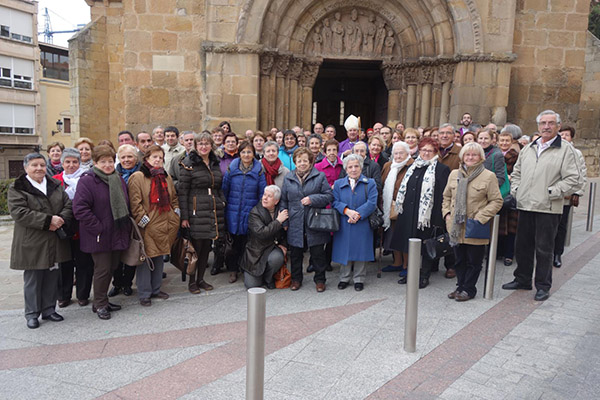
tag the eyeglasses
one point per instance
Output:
(547, 123)
(427, 151)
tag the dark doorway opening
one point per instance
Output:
(349, 87)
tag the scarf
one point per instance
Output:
(289, 152)
(56, 167)
(352, 183)
(86, 165)
(159, 189)
(388, 190)
(427, 186)
(71, 182)
(118, 203)
(301, 177)
(126, 173)
(245, 169)
(272, 170)
(465, 175)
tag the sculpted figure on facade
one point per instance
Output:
(389, 43)
(317, 39)
(369, 36)
(337, 28)
(380, 36)
(266, 64)
(353, 37)
(327, 34)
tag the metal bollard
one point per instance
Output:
(590, 217)
(488, 291)
(412, 295)
(255, 353)
(569, 227)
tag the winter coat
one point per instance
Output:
(483, 202)
(201, 198)
(264, 234)
(371, 170)
(34, 246)
(315, 186)
(160, 233)
(494, 161)
(540, 183)
(331, 173)
(242, 191)
(451, 159)
(91, 207)
(382, 160)
(287, 157)
(225, 160)
(354, 242)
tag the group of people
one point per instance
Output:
(260, 202)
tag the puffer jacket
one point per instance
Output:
(201, 198)
(34, 246)
(483, 201)
(242, 191)
(540, 183)
(494, 161)
(160, 233)
(315, 186)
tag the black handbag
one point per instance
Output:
(323, 220)
(376, 217)
(438, 245)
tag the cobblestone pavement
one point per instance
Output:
(332, 345)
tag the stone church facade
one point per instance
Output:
(266, 63)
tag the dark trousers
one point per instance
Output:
(219, 252)
(506, 245)
(83, 266)
(561, 234)
(535, 237)
(123, 276)
(202, 248)
(317, 254)
(469, 259)
(237, 249)
(105, 265)
(40, 289)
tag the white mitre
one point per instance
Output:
(352, 122)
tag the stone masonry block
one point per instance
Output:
(155, 97)
(139, 6)
(551, 21)
(561, 39)
(161, 6)
(137, 40)
(535, 37)
(187, 79)
(575, 58)
(164, 79)
(244, 84)
(562, 5)
(249, 106)
(151, 22)
(231, 105)
(534, 5)
(549, 56)
(164, 41)
(178, 24)
(578, 22)
(525, 55)
(223, 32)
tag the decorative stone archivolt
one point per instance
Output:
(352, 32)
(310, 70)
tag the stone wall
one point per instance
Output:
(550, 40)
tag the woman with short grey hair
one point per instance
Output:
(275, 171)
(40, 208)
(266, 248)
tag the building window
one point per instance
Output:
(15, 168)
(17, 118)
(342, 105)
(55, 63)
(16, 73)
(16, 25)
(67, 128)
(4, 31)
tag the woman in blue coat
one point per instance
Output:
(243, 186)
(355, 198)
(303, 188)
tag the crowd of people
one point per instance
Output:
(260, 200)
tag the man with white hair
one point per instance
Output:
(352, 125)
(545, 172)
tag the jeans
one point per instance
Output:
(535, 237)
(468, 266)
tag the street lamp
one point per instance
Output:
(59, 127)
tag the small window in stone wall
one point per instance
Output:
(15, 168)
(342, 111)
(67, 123)
(314, 113)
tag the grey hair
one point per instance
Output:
(158, 127)
(448, 124)
(32, 156)
(70, 152)
(204, 136)
(514, 130)
(526, 138)
(469, 147)
(275, 190)
(271, 143)
(192, 133)
(402, 144)
(360, 143)
(548, 112)
(353, 157)
(126, 148)
(315, 136)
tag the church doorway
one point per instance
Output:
(349, 87)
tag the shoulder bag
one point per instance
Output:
(376, 217)
(136, 253)
(323, 219)
(438, 245)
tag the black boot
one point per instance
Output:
(557, 261)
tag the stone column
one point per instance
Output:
(426, 78)
(294, 75)
(393, 81)
(308, 76)
(282, 64)
(266, 66)
(446, 72)
(411, 77)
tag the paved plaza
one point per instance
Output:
(332, 345)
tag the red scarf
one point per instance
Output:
(159, 189)
(271, 170)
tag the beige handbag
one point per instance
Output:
(136, 253)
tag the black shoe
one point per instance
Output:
(541, 295)
(342, 285)
(402, 280)
(359, 286)
(215, 270)
(508, 262)
(514, 285)
(166, 258)
(114, 291)
(164, 275)
(127, 291)
(33, 323)
(109, 307)
(271, 285)
(557, 261)
(423, 283)
(104, 313)
(329, 268)
(310, 268)
(56, 317)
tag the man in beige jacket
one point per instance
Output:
(545, 172)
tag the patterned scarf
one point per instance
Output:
(427, 186)
(465, 175)
(388, 190)
(271, 170)
(159, 189)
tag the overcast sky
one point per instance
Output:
(64, 15)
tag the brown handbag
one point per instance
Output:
(136, 253)
(283, 277)
(181, 251)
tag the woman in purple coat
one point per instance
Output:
(101, 205)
